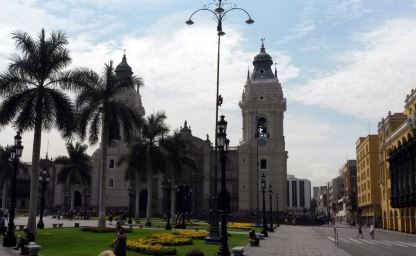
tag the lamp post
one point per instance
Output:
(257, 135)
(277, 209)
(167, 188)
(219, 13)
(10, 238)
(223, 143)
(271, 229)
(43, 179)
(131, 194)
(263, 188)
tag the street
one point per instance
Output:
(385, 242)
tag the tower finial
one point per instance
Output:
(248, 73)
(263, 50)
(124, 50)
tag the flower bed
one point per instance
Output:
(146, 247)
(192, 234)
(103, 229)
(169, 239)
(245, 226)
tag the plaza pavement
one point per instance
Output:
(295, 241)
(285, 241)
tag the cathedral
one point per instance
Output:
(261, 152)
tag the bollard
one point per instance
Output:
(33, 249)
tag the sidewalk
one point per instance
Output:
(6, 251)
(294, 241)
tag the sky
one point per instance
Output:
(343, 64)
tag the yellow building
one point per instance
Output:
(397, 159)
(368, 174)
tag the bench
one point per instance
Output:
(33, 249)
(55, 225)
(21, 227)
(253, 242)
(238, 251)
(260, 236)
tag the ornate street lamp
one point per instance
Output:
(223, 144)
(15, 153)
(43, 179)
(277, 209)
(263, 188)
(219, 14)
(271, 229)
(167, 188)
(131, 192)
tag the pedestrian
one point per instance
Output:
(372, 232)
(2, 224)
(121, 242)
(30, 237)
(360, 231)
(110, 219)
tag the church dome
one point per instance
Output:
(262, 65)
(123, 67)
(263, 55)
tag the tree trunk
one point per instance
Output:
(34, 176)
(149, 196)
(137, 208)
(103, 173)
(4, 195)
(173, 201)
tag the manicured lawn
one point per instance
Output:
(73, 242)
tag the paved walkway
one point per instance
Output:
(5, 251)
(295, 241)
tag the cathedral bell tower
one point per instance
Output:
(262, 149)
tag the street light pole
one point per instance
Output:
(10, 238)
(263, 187)
(271, 229)
(131, 193)
(277, 209)
(223, 143)
(43, 179)
(167, 189)
(257, 135)
(219, 14)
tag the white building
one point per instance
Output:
(298, 195)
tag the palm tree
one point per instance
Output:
(100, 110)
(177, 147)
(32, 89)
(154, 129)
(76, 166)
(136, 160)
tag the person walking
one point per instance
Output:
(120, 245)
(372, 232)
(360, 231)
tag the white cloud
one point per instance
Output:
(371, 80)
(300, 30)
(341, 11)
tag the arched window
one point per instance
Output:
(111, 182)
(262, 127)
